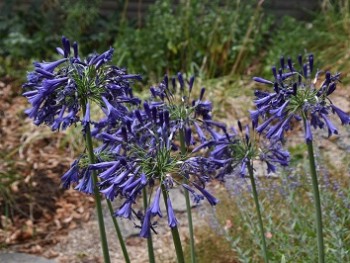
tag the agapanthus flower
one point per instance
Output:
(143, 153)
(297, 95)
(185, 112)
(237, 149)
(58, 90)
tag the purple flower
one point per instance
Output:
(140, 147)
(278, 111)
(49, 66)
(155, 208)
(146, 225)
(264, 125)
(86, 183)
(263, 81)
(183, 113)
(243, 170)
(211, 199)
(125, 210)
(172, 221)
(109, 192)
(109, 172)
(196, 197)
(331, 127)
(344, 118)
(238, 150)
(57, 85)
(308, 134)
(270, 167)
(293, 97)
(72, 175)
(86, 120)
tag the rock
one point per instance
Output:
(23, 258)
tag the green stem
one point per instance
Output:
(103, 237)
(190, 226)
(174, 232)
(320, 245)
(119, 233)
(149, 239)
(188, 203)
(182, 142)
(256, 200)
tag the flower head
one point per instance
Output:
(297, 96)
(143, 153)
(243, 147)
(183, 111)
(58, 90)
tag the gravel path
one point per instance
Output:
(82, 244)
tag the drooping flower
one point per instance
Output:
(211, 199)
(146, 225)
(172, 221)
(155, 207)
(72, 175)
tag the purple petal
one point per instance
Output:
(263, 81)
(211, 199)
(344, 117)
(331, 128)
(49, 66)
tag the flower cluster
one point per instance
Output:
(185, 113)
(142, 153)
(296, 96)
(58, 90)
(237, 149)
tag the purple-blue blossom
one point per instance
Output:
(297, 95)
(237, 149)
(58, 90)
(143, 153)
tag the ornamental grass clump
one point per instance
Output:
(299, 95)
(61, 93)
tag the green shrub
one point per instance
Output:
(327, 35)
(194, 36)
(31, 32)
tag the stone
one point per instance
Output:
(23, 258)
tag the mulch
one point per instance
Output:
(35, 210)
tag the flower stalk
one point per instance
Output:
(103, 237)
(188, 203)
(256, 200)
(174, 232)
(119, 233)
(149, 239)
(317, 201)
